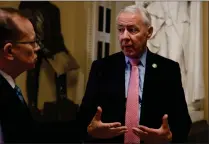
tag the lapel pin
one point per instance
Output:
(154, 65)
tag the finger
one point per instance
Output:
(140, 133)
(165, 122)
(98, 114)
(117, 129)
(145, 129)
(169, 137)
(148, 130)
(112, 125)
(121, 132)
(115, 124)
(137, 130)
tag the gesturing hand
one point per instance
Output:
(155, 136)
(98, 129)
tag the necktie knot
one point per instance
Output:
(134, 62)
(18, 90)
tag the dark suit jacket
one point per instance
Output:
(162, 94)
(18, 125)
(15, 117)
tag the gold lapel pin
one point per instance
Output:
(154, 65)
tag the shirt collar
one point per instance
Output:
(8, 78)
(142, 58)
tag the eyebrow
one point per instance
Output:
(128, 26)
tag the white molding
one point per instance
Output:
(91, 34)
(104, 37)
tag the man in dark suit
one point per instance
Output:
(137, 95)
(18, 48)
(17, 54)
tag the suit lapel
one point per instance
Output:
(149, 81)
(9, 93)
(118, 83)
(120, 74)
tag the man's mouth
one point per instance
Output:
(127, 46)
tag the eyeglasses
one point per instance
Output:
(34, 43)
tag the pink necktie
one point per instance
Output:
(132, 105)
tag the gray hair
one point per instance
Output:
(137, 9)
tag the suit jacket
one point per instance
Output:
(18, 126)
(15, 118)
(162, 94)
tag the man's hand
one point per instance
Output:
(98, 129)
(155, 136)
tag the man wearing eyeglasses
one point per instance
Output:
(18, 48)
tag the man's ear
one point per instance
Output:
(8, 51)
(150, 31)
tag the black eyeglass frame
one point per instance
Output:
(24, 42)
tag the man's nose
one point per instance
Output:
(37, 48)
(126, 35)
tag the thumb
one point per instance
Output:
(165, 122)
(98, 114)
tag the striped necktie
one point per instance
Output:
(132, 105)
(19, 93)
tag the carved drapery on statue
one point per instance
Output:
(45, 18)
(178, 35)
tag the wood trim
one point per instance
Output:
(205, 55)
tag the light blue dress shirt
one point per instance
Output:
(142, 68)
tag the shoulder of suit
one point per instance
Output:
(111, 58)
(165, 61)
(119, 56)
(2, 81)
